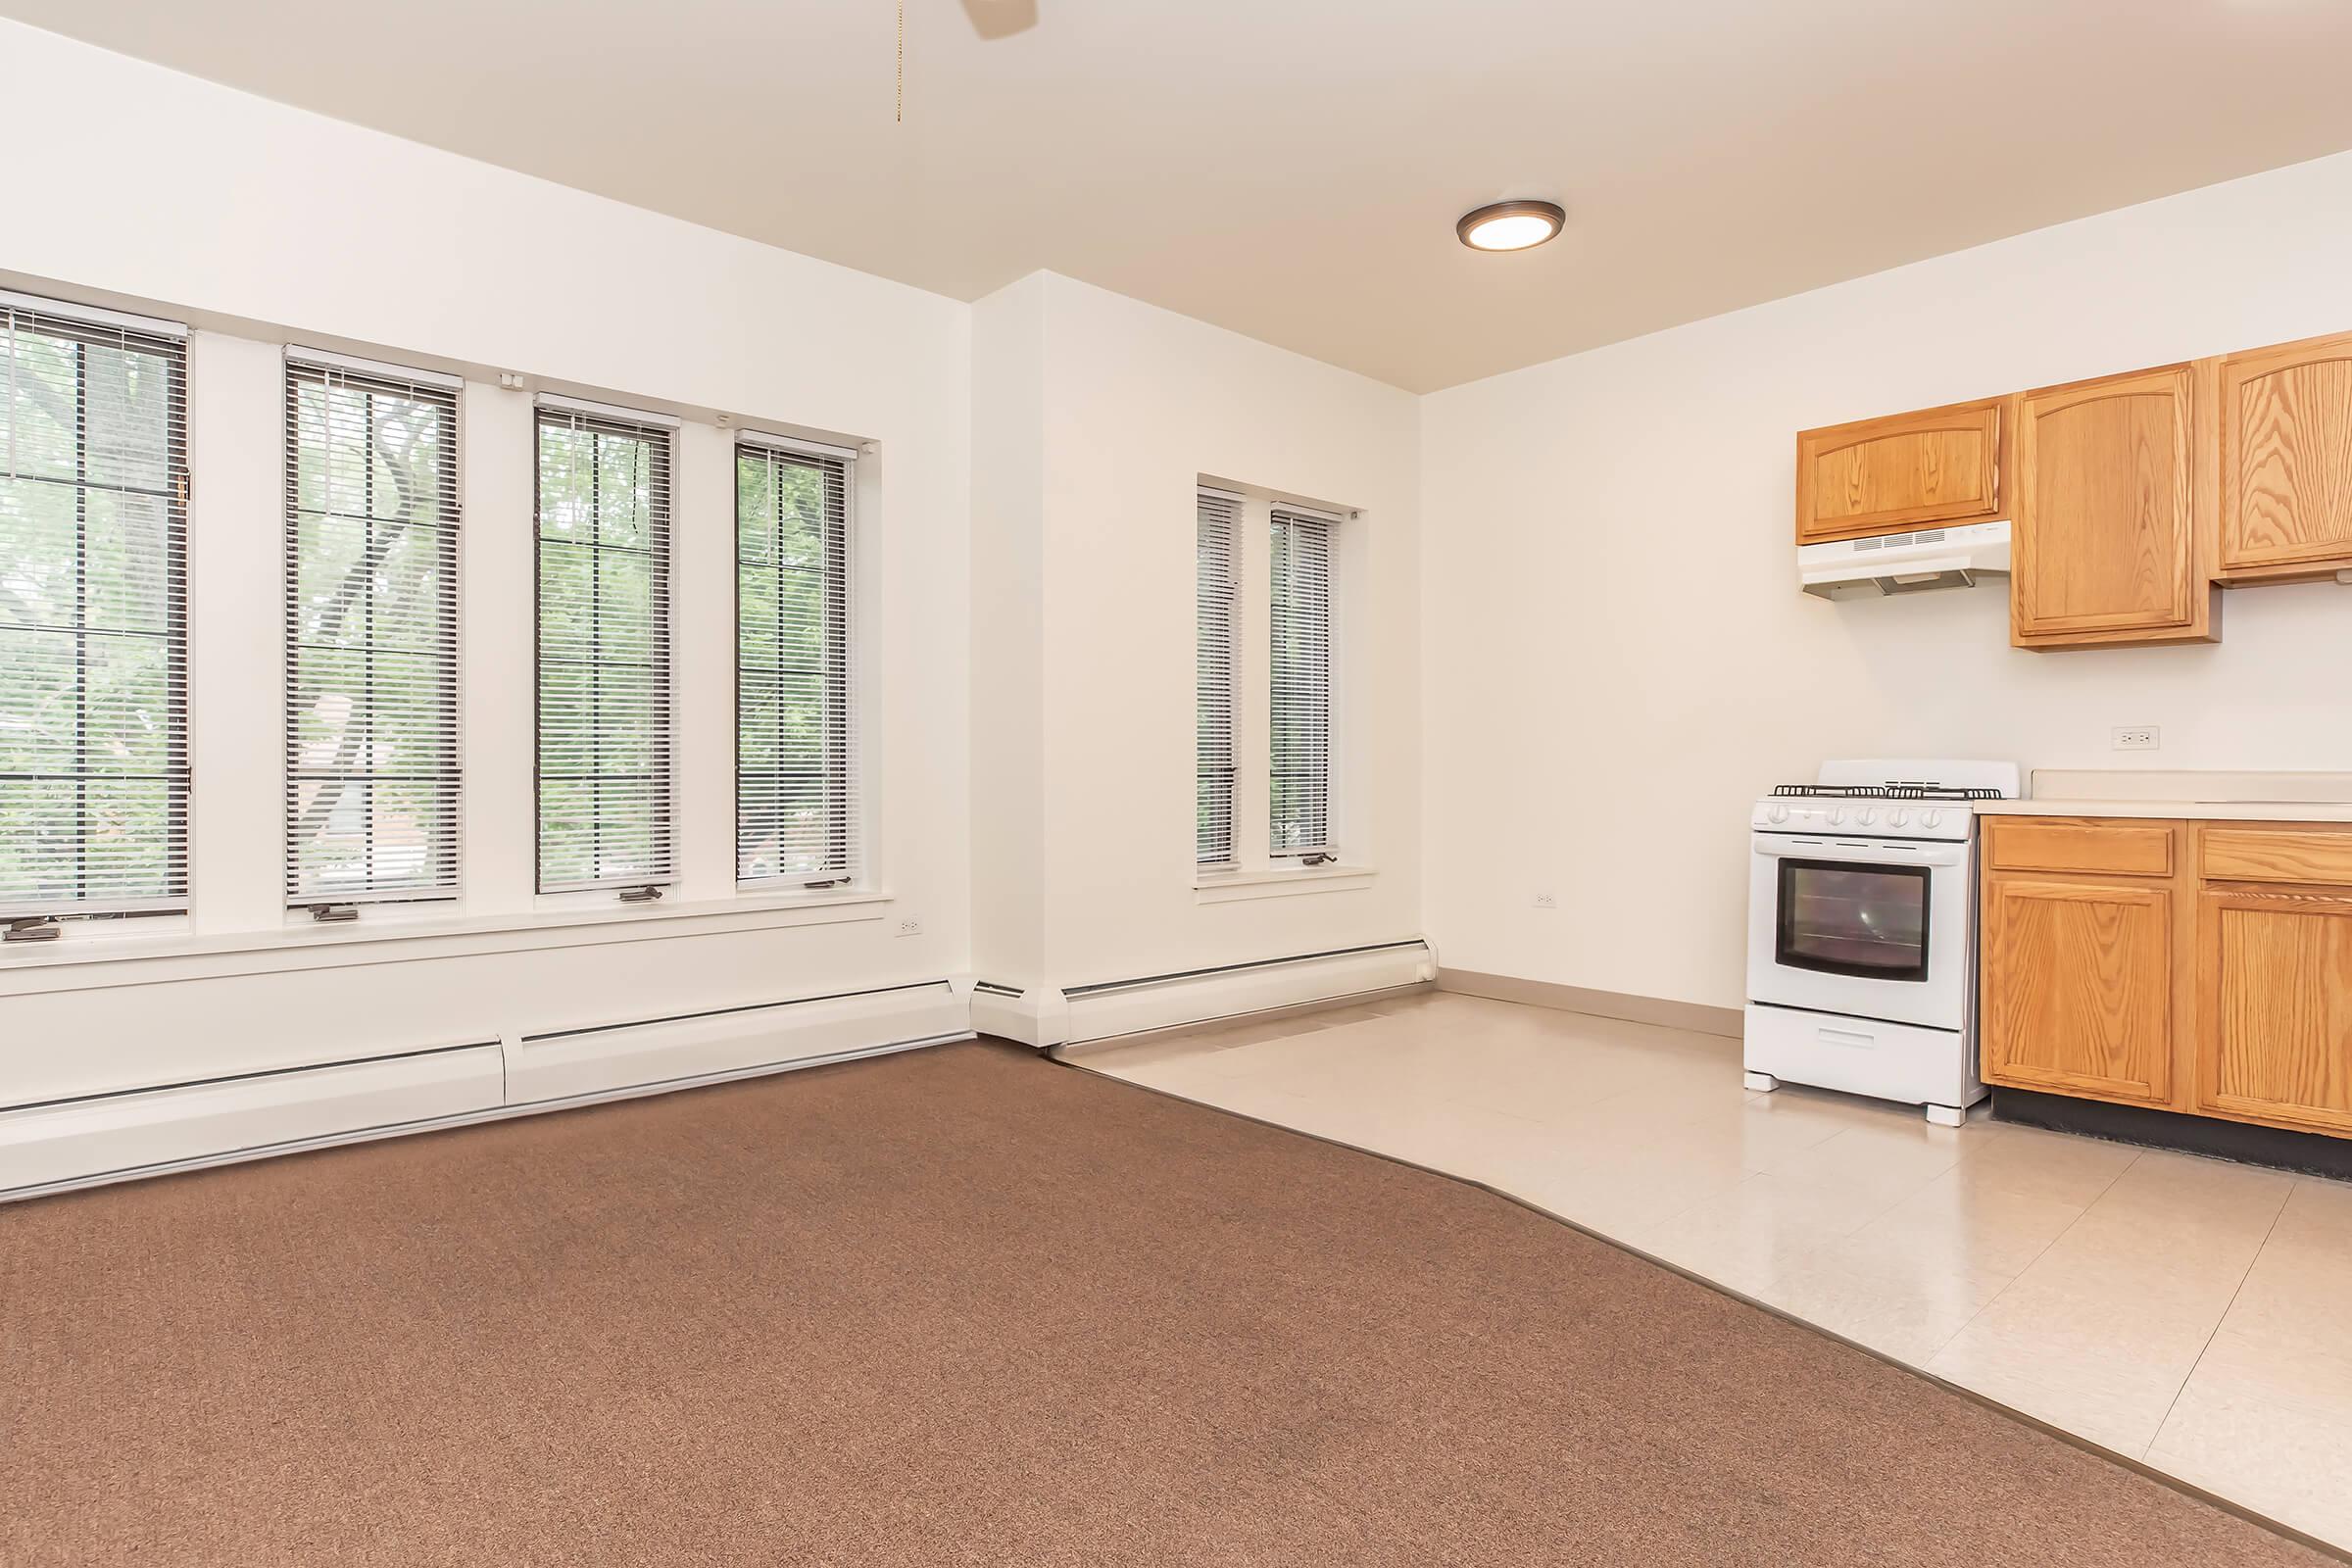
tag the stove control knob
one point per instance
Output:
(1869, 814)
(1897, 817)
(1836, 815)
(1779, 814)
(1930, 818)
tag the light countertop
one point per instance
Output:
(2213, 795)
(2203, 810)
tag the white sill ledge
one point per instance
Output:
(1227, 887)
(391, 939)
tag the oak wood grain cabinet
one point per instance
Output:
(2113, 511)
(2078, 986)
(1901, 473)
(2190, 966)
(2286, 461)
(2275, 1042)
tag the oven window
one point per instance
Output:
(1863, 921)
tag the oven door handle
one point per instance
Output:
(1953, 854)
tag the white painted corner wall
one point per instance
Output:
(1100, 416)
(1619, 661)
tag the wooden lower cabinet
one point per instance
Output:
(2216, 981)
(2275, 978)
(2078, 988)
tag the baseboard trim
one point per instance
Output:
(1696, 1017)
(1293, 1009)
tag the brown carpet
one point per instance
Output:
(958, 1306)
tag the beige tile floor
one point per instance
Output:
(2186, 1311)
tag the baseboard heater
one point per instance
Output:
(173, 1127)
(1113, 1008)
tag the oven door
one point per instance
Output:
(1875, 928)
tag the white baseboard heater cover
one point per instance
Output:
(128, 1133)
(1160, 1001)
(147, 1132)
(591, 1061)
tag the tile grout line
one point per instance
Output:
(2011, 1284)
(2215, 1332)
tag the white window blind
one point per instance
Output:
(93, 624)
(604, 491)
(795, 775)
(1298, 757)
(1217, 526)
(372, 774)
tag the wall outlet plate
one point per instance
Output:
(2137, 738)
(1547, 900)
(909, 929)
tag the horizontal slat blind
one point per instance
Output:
(1299, 770)
(372, 775)
(94, 622)
(1217, 524)
(604, 490)
(795, 762)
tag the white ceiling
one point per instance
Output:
(1291, 169)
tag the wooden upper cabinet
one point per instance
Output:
(2077, 988)
(2275, 980)
(1906, 472)
(2286, 460)
(2113, 511)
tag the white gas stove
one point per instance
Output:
(1861, 950)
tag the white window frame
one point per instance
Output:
(849, 868)
(1218, 522)
(323, 367)
(1311, 849)
(603, 419)
(91, 324)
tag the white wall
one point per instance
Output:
(263, 224)
(1618, 659)
(1094, 578)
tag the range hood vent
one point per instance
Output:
(1904, 562)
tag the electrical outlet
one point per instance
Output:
(2138, 738)
(1547, 900)
(911, 928)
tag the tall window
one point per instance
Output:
(603, 649)
(1298, 754)
(93, 641)
(1217, 524)
(794, 815)
(372, 778)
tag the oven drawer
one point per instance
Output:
(2310, 856)
(2081, 845)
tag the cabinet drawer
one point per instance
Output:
(2277, 855)
(2102, 848)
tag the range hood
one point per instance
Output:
(1904, 562)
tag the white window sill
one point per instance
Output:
(1227, 887)
(374, 941)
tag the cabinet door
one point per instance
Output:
(2077, 988)
(2275, 981)
(1900, 472)
(2111, 512)
(2286, 460)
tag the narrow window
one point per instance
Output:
(1218, 516)
(94, 622)
(603, 649)
(795, 778)
(372, 778)
(1298, 754)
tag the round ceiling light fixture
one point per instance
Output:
(1511, 225)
